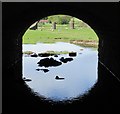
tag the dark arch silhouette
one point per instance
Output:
(102, 17)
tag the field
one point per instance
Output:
(62, 33)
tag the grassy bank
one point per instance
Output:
(48, 52)
(61, 34)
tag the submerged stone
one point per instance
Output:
(81, 49)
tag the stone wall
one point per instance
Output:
(18, 17)
(102, 17)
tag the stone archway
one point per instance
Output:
(17, 17)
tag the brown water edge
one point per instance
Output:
(85, 43)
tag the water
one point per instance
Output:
(79, 75)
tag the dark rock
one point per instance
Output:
(55, 55)
(38, 69)
(65, 60)
(28, 80)
(48, 62)
(34, 55)
(72, 54)
(58, 78)
(45, 54)
(45, 70)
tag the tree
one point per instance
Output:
(59, 19)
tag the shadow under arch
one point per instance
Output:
(100, 98)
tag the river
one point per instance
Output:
(79, 75)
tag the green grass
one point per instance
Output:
(58, 52)
(62, 34)
(49, 52)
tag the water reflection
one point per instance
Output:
(78, 73)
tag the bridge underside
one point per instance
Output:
(102, 17)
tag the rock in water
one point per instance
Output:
(65, 60)
(28, 80)
(58, 78)
(45, 70)
(48, 62)
(72, 54)
(34, 55)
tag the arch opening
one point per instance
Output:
(60, 57)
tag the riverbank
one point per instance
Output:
(85, 43)
(84, 36)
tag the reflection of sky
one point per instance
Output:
(80, 74)
(59, 46)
